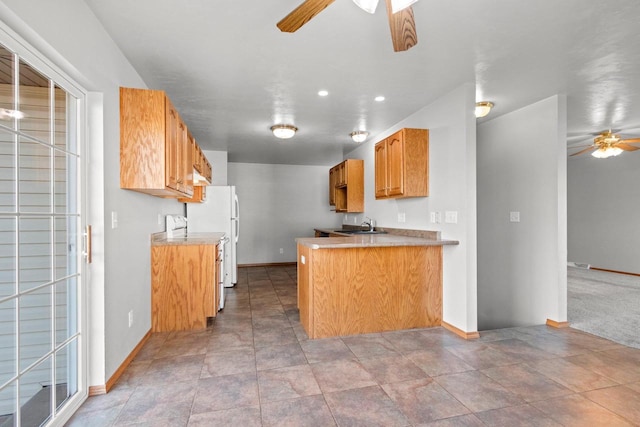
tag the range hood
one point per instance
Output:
(199, 179)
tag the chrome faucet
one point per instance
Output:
(369, 223)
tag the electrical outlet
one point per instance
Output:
(451, 217)
(438, 217)
(402, 217)
(114, 219)
(433, 218)
(514, 216)
(281, 251)
(130, 318)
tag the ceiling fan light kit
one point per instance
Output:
(398, 5)
(483, 108)
(283, 131)
(603, 153)
(367, 5)
(359, 136)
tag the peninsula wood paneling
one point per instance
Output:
(305, 297)
(183, 286)
(364, 290)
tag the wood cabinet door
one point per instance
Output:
(395, 165)
(332, 186)
(381, 169)
(171, 146)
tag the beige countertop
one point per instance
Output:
(370, 240)
(159, 239)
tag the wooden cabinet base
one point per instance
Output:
(183, 286)
(373, 289)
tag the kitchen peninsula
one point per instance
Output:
(369, 283)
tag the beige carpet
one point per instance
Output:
(605, 304)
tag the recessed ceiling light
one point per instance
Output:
(323, 93)
(379, 98)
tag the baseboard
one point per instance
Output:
(460, 332)
(103, 389)
(269, 264)
(96, 390)
(555, 324)
(615, 271)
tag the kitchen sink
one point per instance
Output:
(351, 231)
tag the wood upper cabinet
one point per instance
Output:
(202, 165)
(346, 186)
(199, 195)
(402, 164)
(332, 186)
(154, 145)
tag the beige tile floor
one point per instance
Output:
(256, 367)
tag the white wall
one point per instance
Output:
(277, 204)
(452, 187)
(218, 160)
(522, 273)
(120, 275)
(603, 204)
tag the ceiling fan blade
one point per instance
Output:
(403, 28)
(302, 14)
(589, 148)
(626, 147)
(630, 141)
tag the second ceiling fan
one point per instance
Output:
(401, 22)
(607, 144)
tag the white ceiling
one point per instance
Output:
(232, 74)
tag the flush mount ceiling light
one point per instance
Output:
(323, 93)
(10, 114)
(396, 5)
(359, 136)
(283, 131)
(483, 108)
(379, 98)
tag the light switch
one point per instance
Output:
(514, 216)
(451, 217)
(114, 219)
(402, 217)
(433, 218)
(438, 217)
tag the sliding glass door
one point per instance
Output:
(40, 242)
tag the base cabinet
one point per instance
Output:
(184, 289)
(364, 290)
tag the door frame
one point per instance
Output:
(39, 60)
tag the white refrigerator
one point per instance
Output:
(220, 212)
